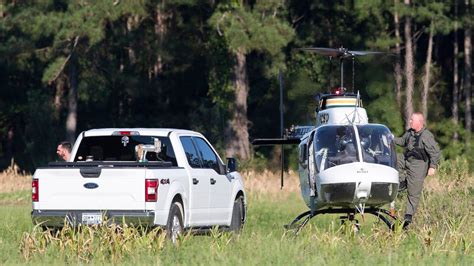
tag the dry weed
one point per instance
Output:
(13, 179)
(106, 243)
(268, 182)
(451, 175)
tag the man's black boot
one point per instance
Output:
(407, 221)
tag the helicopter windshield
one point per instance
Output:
(337, 145)
(377, 145)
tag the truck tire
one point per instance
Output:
(237, 215)
(174, 226)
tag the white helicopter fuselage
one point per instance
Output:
(346, 162)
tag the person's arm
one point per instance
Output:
(402, 141)
(433, 151)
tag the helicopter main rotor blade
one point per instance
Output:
(338, 53)
(324, 51)
(364, 52)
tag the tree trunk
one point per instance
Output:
(409, 68)
(237, 136)
(455, 106)
(160, 30)
(398, 66)
(58, 96)
(426, 76)
(9, 151)
(71, 122)
(132, 22)
(467, 76)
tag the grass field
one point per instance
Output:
(443, 232)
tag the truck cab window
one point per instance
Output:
(191, 153)
(209, 158)
(113, 148)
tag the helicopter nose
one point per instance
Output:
(362, 191)
(362, 196)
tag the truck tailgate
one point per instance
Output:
(113, 189)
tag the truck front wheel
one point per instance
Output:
(174, 227)
(237, 215)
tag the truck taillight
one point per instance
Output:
(151, 190)
(35, 190)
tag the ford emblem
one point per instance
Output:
(91, 185)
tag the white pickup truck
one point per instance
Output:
(154, 177)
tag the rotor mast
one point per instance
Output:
(341, 53)
(342, 73)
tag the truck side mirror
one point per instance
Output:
(231, 165)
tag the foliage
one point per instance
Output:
(247, 28)
(153, 63)
(441, 232)
(105, 243)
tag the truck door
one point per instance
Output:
(199, 190)
(220, 184)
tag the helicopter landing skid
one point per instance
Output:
(308, 215)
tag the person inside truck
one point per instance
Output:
(64, 151)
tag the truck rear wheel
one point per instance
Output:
(237, 215)
(174, 227)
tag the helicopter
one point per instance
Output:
(346, 165)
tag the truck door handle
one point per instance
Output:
(213, 181)
(195, 181)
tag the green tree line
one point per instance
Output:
(212, 66)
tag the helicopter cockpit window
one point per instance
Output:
(377, 145)
(335, 145)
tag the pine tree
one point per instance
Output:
(468, 73)
(72, 29)
(247, 28)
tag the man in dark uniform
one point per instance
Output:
(421, 158)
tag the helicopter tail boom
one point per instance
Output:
(268, 142)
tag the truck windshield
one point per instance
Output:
(125, 148)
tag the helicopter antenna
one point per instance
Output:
(282, 153)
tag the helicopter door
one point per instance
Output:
(311, 167)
